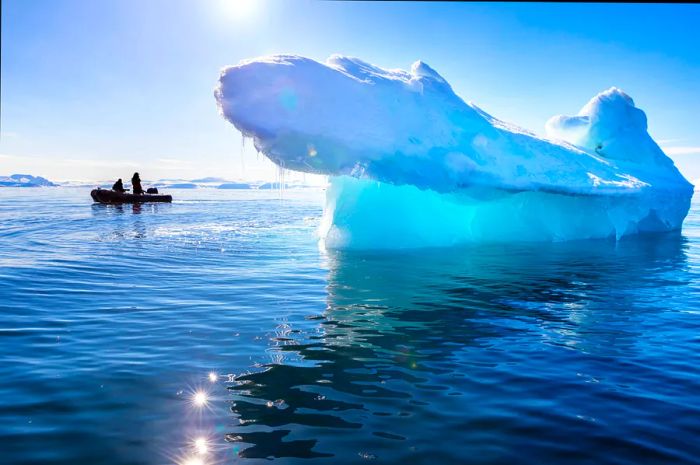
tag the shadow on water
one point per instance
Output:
(481, 352)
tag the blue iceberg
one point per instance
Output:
(411, 164)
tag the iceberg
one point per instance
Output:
(411, 164)
(25, 180)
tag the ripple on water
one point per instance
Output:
(212, 330)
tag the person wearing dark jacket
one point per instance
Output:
(118, 186)
(136, 184)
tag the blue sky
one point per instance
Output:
(99, 89)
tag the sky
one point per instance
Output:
(95, 90)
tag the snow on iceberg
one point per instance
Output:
(412, 164)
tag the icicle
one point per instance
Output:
(242, 156)
(281, 170)
(281, 182)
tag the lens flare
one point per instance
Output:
(213, 377)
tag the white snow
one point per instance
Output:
(437, 170)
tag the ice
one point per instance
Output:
(412, 164)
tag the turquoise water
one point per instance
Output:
(128, 333)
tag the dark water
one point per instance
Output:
(112, 320)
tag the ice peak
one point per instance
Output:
(422, 69)
(610, 125)
(614, 104)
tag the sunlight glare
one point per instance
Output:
(240, 9)
(200, 398)
(201, 445)
(193, 461)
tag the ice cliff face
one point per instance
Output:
(468, 175)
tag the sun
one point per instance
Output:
(240, 9)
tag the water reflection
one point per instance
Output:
(135, 208)
(477, 352)
(137, 229)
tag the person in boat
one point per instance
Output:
(119, 186)
(136, 184)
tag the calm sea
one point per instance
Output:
(213, 331)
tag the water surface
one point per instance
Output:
(113, 320)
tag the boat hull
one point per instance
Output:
(110, 196)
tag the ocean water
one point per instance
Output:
(213, 330)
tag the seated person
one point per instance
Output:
(136, 184)
(118, 186)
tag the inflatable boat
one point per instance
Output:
(110, 196)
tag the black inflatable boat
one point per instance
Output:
(110, 196)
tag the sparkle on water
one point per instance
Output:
(111, 316)
(193, 461)
(201, 445)
(200, 398)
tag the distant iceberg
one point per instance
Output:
(209, 180)
(234, 185)
(182, 185)
(413, 165)
(24, 180)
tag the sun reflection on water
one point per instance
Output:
(201, 444)
(193, 461)
(200, 398)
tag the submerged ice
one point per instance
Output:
(411, 164)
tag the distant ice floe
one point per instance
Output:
(412, 164)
